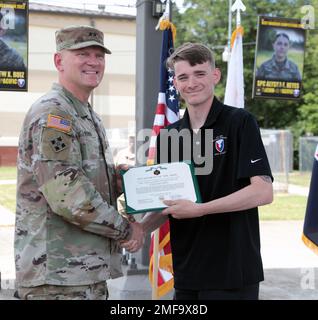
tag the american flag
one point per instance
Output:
(310, 231)
(167, 112)
(168, 104)
(58, 123)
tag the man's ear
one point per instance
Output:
(216, 75)
(58, 61)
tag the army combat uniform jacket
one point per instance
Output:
(9, 58)
(66, 220)
(287, 70)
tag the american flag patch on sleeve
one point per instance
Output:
(58, 123)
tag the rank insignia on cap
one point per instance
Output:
(58, 123)
(58, 144)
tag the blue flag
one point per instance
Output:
(310, 232)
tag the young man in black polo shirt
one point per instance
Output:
(215, 244)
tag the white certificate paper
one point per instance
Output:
(146, 187)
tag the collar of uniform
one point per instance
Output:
(80, 107)
(287, 65)
(185, 122)
(275, 65)
(214, 112)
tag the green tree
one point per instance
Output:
(309, 108)
(207, 21)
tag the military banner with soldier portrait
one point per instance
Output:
(279, 58)
(13, 45)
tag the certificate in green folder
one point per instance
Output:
(146, 187)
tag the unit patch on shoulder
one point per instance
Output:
(58, 123)
(58, 144)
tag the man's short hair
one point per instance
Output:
(281, 34)
(194, 53)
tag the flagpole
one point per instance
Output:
(227, 49)
(155, 264)
(230, 30)
(234, 89)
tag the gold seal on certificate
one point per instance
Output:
(146, 187)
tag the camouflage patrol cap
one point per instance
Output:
(77, 37)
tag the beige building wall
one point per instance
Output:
(114, 99)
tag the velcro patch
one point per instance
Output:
(58, 144)
(58, 123)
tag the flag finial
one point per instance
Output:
(238, 6)
(165, 15)
(164, 21)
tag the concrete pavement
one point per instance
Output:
(6, 254)
(298, 190)
(291, 269)
(6, 217)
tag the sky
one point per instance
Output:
(118, 6)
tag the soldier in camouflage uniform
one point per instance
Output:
(67, 226)
(279, 67)
(10, 59)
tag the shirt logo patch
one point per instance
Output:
(58, 144)
(256, 160)
(58, 123)
(219, 145)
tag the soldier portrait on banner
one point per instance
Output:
(279, 58)
(13, 45)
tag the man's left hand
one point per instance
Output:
(182, 209)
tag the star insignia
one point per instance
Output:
(58, 144)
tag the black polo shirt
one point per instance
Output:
(220, 251)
